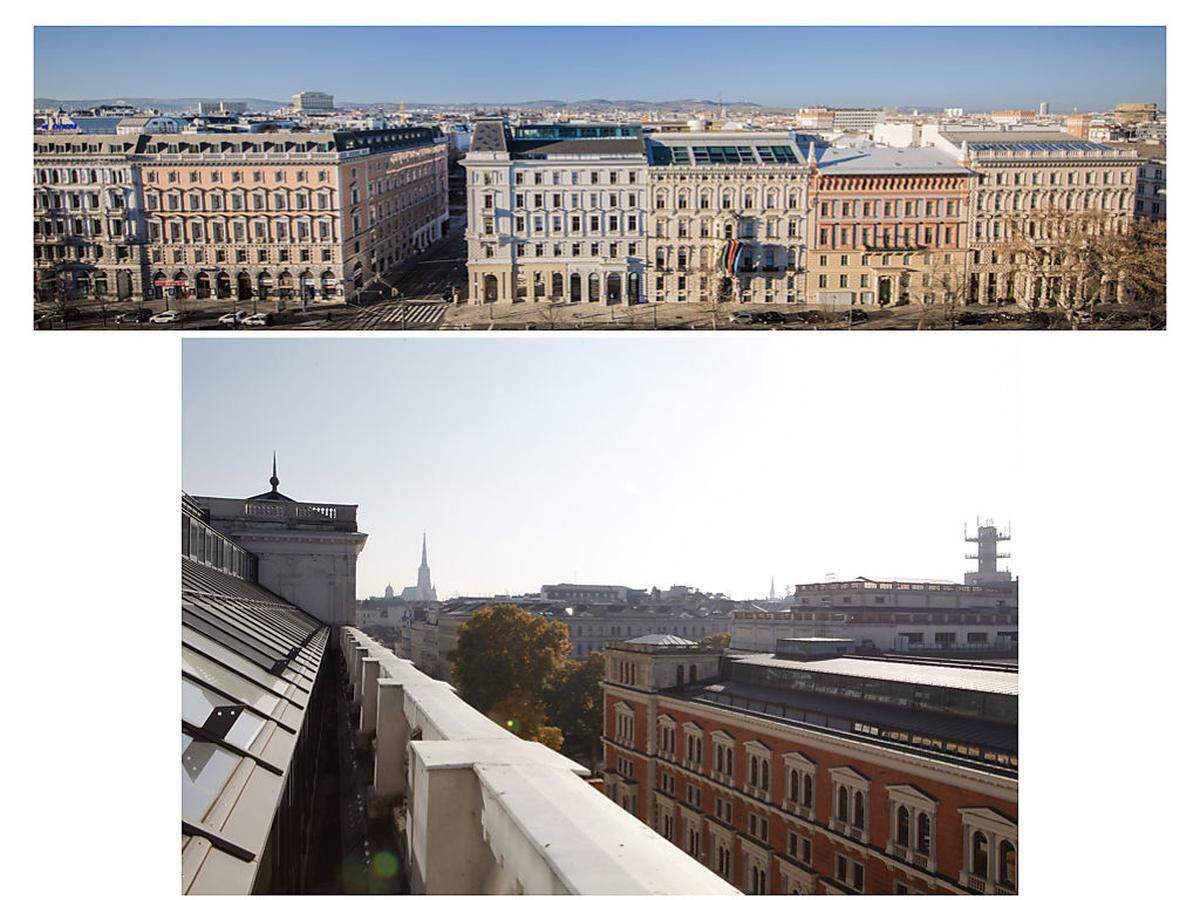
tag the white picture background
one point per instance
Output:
(1099, 453)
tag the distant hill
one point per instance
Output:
(166, 104)
(176, 104)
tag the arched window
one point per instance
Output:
(490, 289)
(979, 854)
(1008, 864)
(593, 295)
(691, 674)
(794, 786)
(754, 770)
(843, 804)
(923, 830)
(859, 815)
(807, 793)
(766, 775)
(902, 826)
(678, 669)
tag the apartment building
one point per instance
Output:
(903, 616)
(289, 216)
(839, 119)
(1151, 199)
(281, 216)
(810, 770)
(1025, 179)
(886, 226)
(556, 213)
(727, 217)
(312, 101)
(88, 226)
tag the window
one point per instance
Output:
(989, 850)
(722, 757)
(694, 746)
(666, 736)
(849, 873)
(624, 724)
(851, 793)
(800, 773)
(799, 848)
(758, 769)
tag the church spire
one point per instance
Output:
(424, 562)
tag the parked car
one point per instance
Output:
(770, 317)
(447, 295)
(232, 319)
(141, 314)
(743, 317)
(258, 320)
(854, 315)
(166, 317)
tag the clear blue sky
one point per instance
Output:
(695, 459)
(976, 67)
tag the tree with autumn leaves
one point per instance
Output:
(516, 668)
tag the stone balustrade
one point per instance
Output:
(486, 812)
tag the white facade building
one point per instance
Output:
(307, 552)
(727, 217)
(556, 213)
(309, 101)
(151, 125)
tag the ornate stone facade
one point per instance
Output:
(556, 213)
(1025, 181)
(887, 226)
(708, 190)
(88, 231)
(286, 216)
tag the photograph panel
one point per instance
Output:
(224, 193)
(573, 640)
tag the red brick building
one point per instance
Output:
(886, 227)
(802, 772)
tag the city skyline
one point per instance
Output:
(1088, 68)
(516, 490)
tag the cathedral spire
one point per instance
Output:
(424, 562)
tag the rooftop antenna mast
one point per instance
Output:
(987, 539)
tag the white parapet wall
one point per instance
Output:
(489, 813)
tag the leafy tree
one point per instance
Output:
(524, 715)
(716, 640)
(575, 702)
(505, 659)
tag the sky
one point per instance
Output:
(717, 463)
(1091, 68)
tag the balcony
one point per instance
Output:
(797, 809)
(485, 812)
(845, 828)
(309, 516)
(912, 856)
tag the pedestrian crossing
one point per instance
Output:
(394, 316)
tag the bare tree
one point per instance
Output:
(550, 314)
(1073, 256)
(947, 279)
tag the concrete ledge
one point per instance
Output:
(485, 812)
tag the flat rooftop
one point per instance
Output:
(886, 161)
(984, 679)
